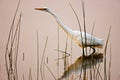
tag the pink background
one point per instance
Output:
(103, 12)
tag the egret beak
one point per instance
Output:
(40, 8)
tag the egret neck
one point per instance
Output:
(68, 30)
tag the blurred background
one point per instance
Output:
(104, 13)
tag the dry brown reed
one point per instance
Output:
(42, 62)
(12, 47)
(37, 56)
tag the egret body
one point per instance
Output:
(91, 41)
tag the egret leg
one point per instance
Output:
(93, 50)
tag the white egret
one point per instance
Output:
(91, 41)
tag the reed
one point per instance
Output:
(12, 47)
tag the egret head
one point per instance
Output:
(46, 9)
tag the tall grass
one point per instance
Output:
(37, 56)
(58, 62)
(30, 74)
(42, 62)
(12, 48)
(105, 72)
